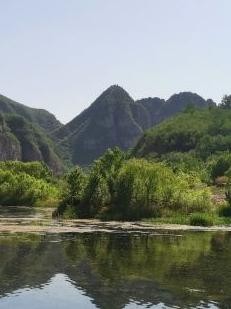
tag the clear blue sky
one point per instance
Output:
(61, 54)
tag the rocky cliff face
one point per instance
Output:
(108, 122)
(33, 144)
(115, 119)
(21, 140)
(9, 146)
(24, 134)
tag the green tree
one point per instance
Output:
(226, 102)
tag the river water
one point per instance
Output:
(115, 269)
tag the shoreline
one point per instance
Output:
(33, 225)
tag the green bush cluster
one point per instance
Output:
(25, 183)
(121, 188)
(216, 169)
(36, 169)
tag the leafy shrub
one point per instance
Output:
(37, 169)
(72, 191)
(25, 183)
(201, 219)
(22, 189)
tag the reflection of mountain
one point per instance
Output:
(57, 293)
(114, 269)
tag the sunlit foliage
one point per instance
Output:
(121, 188)
(25, 183)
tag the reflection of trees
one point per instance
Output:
(115, 268)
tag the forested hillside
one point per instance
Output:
(202, 132)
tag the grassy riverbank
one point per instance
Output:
(195, 219)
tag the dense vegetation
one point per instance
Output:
(200, 132)
(26, 184)
(121, 188)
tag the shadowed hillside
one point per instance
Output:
(24, 134)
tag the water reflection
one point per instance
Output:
(116, 271)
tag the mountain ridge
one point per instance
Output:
(116, 119)
(113, 119)
(41, 117)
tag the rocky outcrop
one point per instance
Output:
(24, 134)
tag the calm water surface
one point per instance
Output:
(115, 270)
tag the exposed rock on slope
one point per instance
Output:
(115, 119)
(28, 143)
(24, 134)
(112, 120)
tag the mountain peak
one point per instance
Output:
(115, 87)
(115, 119)
(113, 95)
(185, 98)
(115, 90)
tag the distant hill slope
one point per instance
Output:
(112, 120)
(24, 134)
(115, 119)
(20, 140)
(204, 132)
(40, 117)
